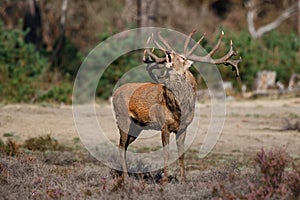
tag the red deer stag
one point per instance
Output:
(169, 106)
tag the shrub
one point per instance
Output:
(293, 181)
(272, 165)
(9, 148)
(59, 93)
(21, 66)
(270, 180)
(42, 143)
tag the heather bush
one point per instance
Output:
(33, 175)
(269, 180)
(42, 143)
(272, 166)
(293, 181)
(10, 148)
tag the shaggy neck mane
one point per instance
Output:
(180, 97)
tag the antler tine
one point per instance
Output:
(217, 46)
(157, 44)
(145, 51)
(187, 41)
(196, 45)
(151, 54)
(164, 42)
(234, 64)
(226, 59)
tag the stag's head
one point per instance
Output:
(177, 62)
(181, 62)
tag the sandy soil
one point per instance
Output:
(249, 125)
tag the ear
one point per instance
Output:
(188, 64)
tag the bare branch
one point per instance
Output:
(257, 33)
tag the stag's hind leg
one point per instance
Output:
(125, 140)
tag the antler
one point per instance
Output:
(226, 59)
(151, 54)
(153, 57)
(152, 60)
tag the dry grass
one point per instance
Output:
(74, 174)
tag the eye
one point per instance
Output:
(183, 58)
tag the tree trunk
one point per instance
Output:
(152, 13)
(61, 39)
(139, 13)
(32, 21)
(298, 13)
(147, 13)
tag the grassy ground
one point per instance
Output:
(42, 168)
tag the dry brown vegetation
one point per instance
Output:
(74, 174)
(57, 166)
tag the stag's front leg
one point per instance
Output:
(165, 141)
(180, 138)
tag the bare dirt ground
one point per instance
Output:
(249, 125)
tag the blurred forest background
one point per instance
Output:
(43, 42)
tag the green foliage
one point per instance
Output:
(274, 51)
(21, 66)
(9, 134)
(59, 93)
(115, 71)
(118, 67)
(25, 74)
(69, 58)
